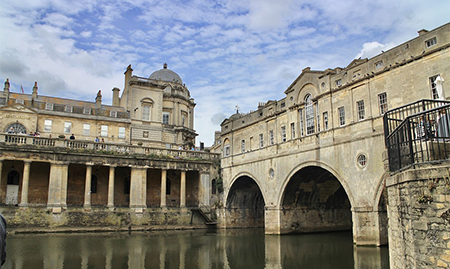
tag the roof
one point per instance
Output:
(166, 75)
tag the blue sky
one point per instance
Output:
(227, 53)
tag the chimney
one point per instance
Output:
(6, 89)
(98, 99)
(128, 75)
(422, 32)
(116, 100)
(34, 95)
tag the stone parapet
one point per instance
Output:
(419, 217)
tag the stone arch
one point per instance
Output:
(16, 128)
(305, 90)
(321, 165)
(313, 199)
(244, 202)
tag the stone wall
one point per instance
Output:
(73, 219)
(419, 217)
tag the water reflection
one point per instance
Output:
(191, 249)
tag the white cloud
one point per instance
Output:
(227, 52)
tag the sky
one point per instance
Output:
(228, 53)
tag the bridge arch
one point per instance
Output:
(244, 202)
(314, 198)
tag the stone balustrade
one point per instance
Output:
(102, 147)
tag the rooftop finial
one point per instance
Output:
(165, 65)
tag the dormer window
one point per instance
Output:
(19, 101)
(113, 114)
(378, 65)
(87, 110)
(430, 42)
(49, 106)
(68, 108)
(339, 82)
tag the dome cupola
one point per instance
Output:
(166, 75)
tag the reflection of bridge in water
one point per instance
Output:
(187, 249)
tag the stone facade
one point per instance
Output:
(419, 217)
(318, 152)
(70, 157)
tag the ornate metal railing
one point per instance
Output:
(417, 138)
(105, 148)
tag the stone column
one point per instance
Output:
(87, 186)
(57, 178)
(204, 195)
(183, 189)
(365, 230)
(163, 188)
(25, 183)
(272, 220)
(64, 181)
(111, 187)
(138, 176)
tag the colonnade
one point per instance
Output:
(58, 186)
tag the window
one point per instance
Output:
(67, 127)
(68, 108)
(49, 106)
(166, 117)
(47, 125)
(309, 113)
(318, 118)
(325, 120)
(341, 116)
(86, 129)
(145, 134)
(300, 113)
(322, 85)
(122, 132)
(271, 137)
(113, 114)
(19, 101)
(87, 111)
(242, 145)
(283, 105)
(226, 150)
(434, 92)
(183, 119)
(283, 133)
(431, 42)
(104, 131)
(261, 140)
(378, 65)
(292, 130)
(382, 102)
(338, 82)
(361, 111)
(362, 160)
(146, 112)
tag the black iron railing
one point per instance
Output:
(417, 133)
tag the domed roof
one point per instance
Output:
(166, 75)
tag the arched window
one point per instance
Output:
(16, 128)
(13, 178)
(309, 113)
(93, 184)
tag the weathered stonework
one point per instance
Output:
(419, 217)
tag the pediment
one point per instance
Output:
(356, 62)
(16, 107)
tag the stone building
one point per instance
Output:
(71, 156)
(315, 160)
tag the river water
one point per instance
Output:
(245, 249)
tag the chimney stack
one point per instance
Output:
(116, 100)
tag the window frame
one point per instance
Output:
(361, 110)
(382, 103)
(104, 130)
(67, 127)
(48, 127)
(341, 114)
(86, 131)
